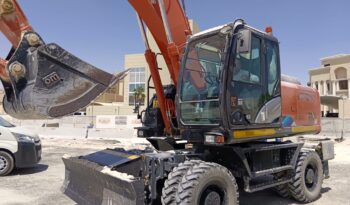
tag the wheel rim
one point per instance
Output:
(311, 176)
(212, 195)
(3, 163)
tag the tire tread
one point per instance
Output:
(192, 177)
(174, 178)
(296, 188)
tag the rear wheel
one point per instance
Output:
(6, 163)
(174, 178)
(307, 181)
(207, 184)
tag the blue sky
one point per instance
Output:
(103, 31)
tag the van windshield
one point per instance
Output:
(4, 123)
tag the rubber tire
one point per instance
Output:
(202, 174)
(283, 189)
(174, 178)
(297, 187)
(11, 163)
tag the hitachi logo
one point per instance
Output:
(51, 79)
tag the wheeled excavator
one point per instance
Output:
(214, 131)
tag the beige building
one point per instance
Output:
(332, 80)
(113, 94)
(137, 77)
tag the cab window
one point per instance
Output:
(246, 90)
(247, 65)
(272, 67)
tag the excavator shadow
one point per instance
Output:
(269, 197)
(31, 170)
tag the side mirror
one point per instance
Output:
(244, 41)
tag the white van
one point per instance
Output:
(19, 148)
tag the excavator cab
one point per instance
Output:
(46, 81)
(230, 77)
(231, 84)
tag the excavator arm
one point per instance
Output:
(168, 24)
(13, 23)
(44, 80)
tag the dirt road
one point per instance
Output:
(41, 184)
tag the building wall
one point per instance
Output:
(333, 79)
(344, 108)
(94, 110)
(114, 94)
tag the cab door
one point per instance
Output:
(254, 85)
(270, 111)
(246, 84)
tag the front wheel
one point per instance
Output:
(174, 178)
(6, 163)
(307, 181)
(207, 184)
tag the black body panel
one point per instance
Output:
(28, 154)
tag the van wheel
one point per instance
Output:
(207, 184)
(7, 163)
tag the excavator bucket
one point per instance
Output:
(105, 177)
(46, 81)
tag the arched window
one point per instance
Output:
(341, 75)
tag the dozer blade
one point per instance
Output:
(46, 81)
(106, 177)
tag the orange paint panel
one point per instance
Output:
(13, 24)
(301, 103)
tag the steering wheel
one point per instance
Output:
(210, 79)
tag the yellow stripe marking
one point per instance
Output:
(254, 133)
(133, 157)
(301, 129)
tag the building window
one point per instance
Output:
(340, 73)
(136, 81)
(328, 87)
(316, 85)
(343, 85)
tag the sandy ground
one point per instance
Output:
(41, 184)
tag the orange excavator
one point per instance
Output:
(217, 127)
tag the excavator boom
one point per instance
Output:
(168, 24)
